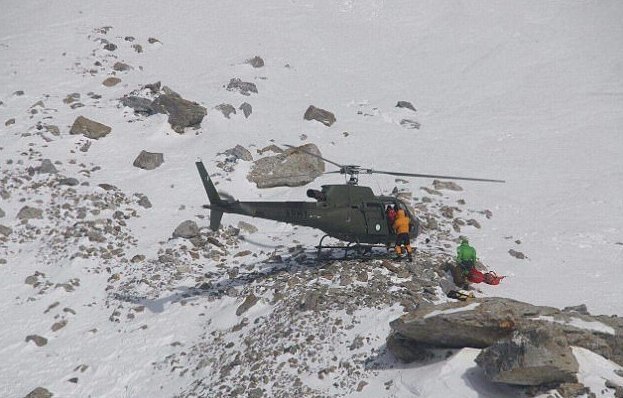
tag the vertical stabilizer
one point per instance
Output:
(215, 200)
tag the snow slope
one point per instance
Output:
(530, 92)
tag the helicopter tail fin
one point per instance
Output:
(215, 200)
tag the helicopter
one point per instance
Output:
(348, 212)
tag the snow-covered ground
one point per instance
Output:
(530, 92)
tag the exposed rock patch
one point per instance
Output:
(182, 112)
(449, 185)
(292, 168)
(256, 62)
(89, 128)
(38, 340)
(240, 152)
(405, 104)
(111, 81)
(244, 88)
(187, 230)
(27, 213)
(148, 160)
(323, 116)
(39, 392)
(246, 109)
(226, 109)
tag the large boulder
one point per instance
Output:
(187, 230)
(26, 213)
(39, 392)
(530, 358)
(294, 167)
(89, 128)
(323, 116)
(182, 113)
(148, 160)
(141, 106)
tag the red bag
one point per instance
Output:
(475, 276)
(492, 278)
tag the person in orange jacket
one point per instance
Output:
(401, 226)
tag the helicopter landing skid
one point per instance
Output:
(360, 249)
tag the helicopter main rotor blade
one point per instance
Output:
(314, 155)
(393, 173)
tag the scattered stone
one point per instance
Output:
(580, 309)
(9, 122)
(294, 167)
(246, 227)
(256, 62)
(39, 392)
(473, 223)
(73, 380)
(323, 116)
(47, 167)
(148, 160)
(361, 385)
(248, 302)
(110, 47)
(410, 124)
(246, 109)
(111, 81)
(226, 109)
(59, 325)
(38, 340)
(153, 40)
(449, 185)
(244, 88)
(69, 181)
(187, 230)
(120, 66)
(107, 187)
(71, 98)
(530, 358)
(5, 231)
(517, 254)
(240, 152)
(182, 113)
(52, 129)
(2, 213)
(129, 38)
(18, 93)
(141, 106)
(243, 253)
(405, 104)
(27, 213)
(89, 128)
(138, 48)
(143, 200)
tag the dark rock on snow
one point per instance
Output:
(182, 113)
(323, 116)
(142, 106)
(405, 104)
(38, 340)
(246, 109)
(256, 62)
(121, 66)
(69, 181)
(187, 230)
(240, 152)
(148, 160)
(26, 213)
(517, 254)
(410, 124)
(39, 392)
(111, 81)
(226, 109)
(2, 213)
(5, 231)
(449, 185)
(89, 128)
(244, 88)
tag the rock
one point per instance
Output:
(5, 231)
(59, 325)
(89, 128)
(246, 227)
(138, 48)
(153, 87)
(405, 104)
(39, 392)
(573, 390)
(153, 40)
(47, 167)
(148, 160)
(410, 124)
(38, 340)
(141, 106)
(294, 167)
(26, 213)
(143, 201)
(69, 181)
(581, 309)
(71, 98)
(239, 152)
(110, 47)
(2, 213)
(473, 223)
(248, 302)
(530, 358)
(226, 109)
(9, 122)
(18, 93)
(182, 113)
(111, 81)
(187, 230)
(325, 117)
(244, 88)
(120, 66)
(452, 186)
(52, 129)
(406, 351)
(517, 254)
(246, 109)
(256, 62)
(107, 187)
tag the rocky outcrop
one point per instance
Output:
(148, 160)
(182, 113)
(294, 167)
(89, 128)
(510, 329)
(39, 392)
(323, 116)
(187, 230)
(246, 109)
(141, 106)
(530, 358)
(244, 88)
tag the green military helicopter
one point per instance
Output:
(348, 212)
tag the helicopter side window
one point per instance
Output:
(315, 194)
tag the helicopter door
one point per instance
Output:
(375, 218)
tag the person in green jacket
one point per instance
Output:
(465, 255)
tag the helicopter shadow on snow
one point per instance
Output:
(222, 284)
